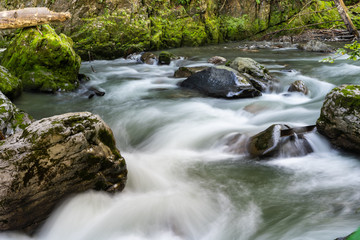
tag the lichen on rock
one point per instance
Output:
(340, 117)
(51, 159)
(43, 60)
(12, 119)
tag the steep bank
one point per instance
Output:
(113, 28)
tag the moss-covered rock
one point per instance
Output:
(52, 159)
(43, 60)
(10, 85)
(340, 117)
(12, 119)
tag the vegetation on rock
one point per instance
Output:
(10, 85)
(43, 60)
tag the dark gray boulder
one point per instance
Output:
(220, 83)
(339, 119)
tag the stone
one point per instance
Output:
(165, 58)
(10, 85)
(339, 119)
(185, 72)
(46, 62)
(257, 74)
(12, 119)
(220, 83)
(315, 46)
(279, 140)
(217, 60)
(299, 86)
(149, 58)
(52, 159)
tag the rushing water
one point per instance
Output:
(183, 183)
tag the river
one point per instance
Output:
(183, 181)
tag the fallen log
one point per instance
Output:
(345, 17)
(29, 17)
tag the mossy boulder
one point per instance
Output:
(43, 60)
(12, 119)
(10, 85)
(52, 159)
(339, 119)
(255, 72)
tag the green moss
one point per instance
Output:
(108, 139)
(10, 85)
(43, 61)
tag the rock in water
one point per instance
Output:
(280, 140)
(255, 72)
(184, 72)
(44, 61)
(299, 86)
(220, 83)
(148, 58)
(51, 159)
(217, 60)
(12, 119)
(315, 46)
(165, 58)
(340, 117)
(10, 85)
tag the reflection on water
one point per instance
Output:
(182, 184)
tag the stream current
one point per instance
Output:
(183, 183)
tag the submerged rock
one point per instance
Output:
(298, 86)
(51, 159)
(255, 72)
(339, 120)
(12, 119)
(10, 85)
(315, 46)
(44, 61)
(279, 140)
(149, 58)
(220, 83)
(217, 60)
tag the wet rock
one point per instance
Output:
(217, 60)
(12, 119)
(184, 72)
(339, 119)
(46, 62)
(10, 85)
(220, 83)
(315, 46)
(298, 86)
(52, 159)
(165, 58)
(96, 91)
(279, 140)
(149, 58)
(83, 78)
(255, 72)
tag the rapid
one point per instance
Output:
(183, 181)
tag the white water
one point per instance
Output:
(182, 183)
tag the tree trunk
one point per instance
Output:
(29, 17)
(345, 17)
